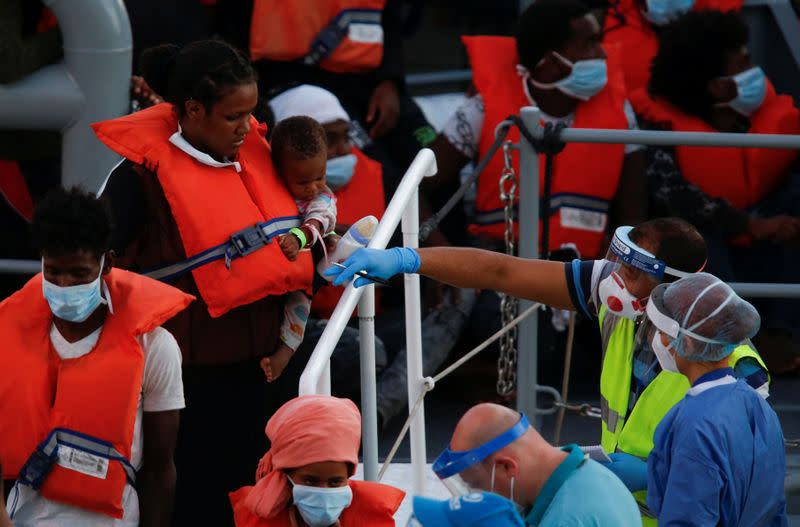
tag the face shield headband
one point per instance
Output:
(656, 313)
(452, 462)
(627, 252)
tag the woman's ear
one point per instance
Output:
(193, 109)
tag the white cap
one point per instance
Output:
(313, 101)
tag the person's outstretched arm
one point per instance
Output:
(538, 280)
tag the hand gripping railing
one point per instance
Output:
(316, 376)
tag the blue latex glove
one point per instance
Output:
(376, 262)
(630, 469)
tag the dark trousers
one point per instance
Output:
(221, 437)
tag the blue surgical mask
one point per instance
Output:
(587, 78)
(662, 12)
(751, 87)
(321, 506)
(74, 303)
(339, 171)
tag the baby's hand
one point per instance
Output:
(290, 246)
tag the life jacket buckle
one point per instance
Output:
(36, 468)
(249, 240)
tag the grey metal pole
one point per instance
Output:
(528, 220)
(757, 290)
(11, 266)
(98, 51)
(369, 404)
(645, 137)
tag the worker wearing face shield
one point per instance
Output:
(718, 457)
(495, 449)
(635, 392)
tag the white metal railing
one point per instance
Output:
(316, 376)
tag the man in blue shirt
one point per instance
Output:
(495, 449)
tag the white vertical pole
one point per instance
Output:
(324, 384)
(413, 301)
(369, 405)
(528, 248)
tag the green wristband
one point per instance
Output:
(301, 236)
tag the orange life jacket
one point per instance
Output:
(84, 403)
(342, 36)
(14, 189)
(210, 204)
(362, 196)
(627, 28)
(374, 505)
(585, 176)
(743, 176)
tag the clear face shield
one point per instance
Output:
(462, 471)
(629, 274)
(683, 337)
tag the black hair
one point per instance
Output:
(692, 51)
(69, 221)
(204, 71)
(675, 241)
(545, 26)
(301, 136)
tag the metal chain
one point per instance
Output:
(509, 306)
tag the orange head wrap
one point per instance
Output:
(307, 429)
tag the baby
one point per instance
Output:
(299, 153)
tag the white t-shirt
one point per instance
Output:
(463, 129)
(162, 390)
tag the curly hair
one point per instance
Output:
(693, 51)
(545, 26)
(70, 221)
(301, 136)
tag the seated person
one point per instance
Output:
(575, 82)
(495, 449)
(634, 25)
(479, 509)
(362, 65)
(745, 201)
(304, 479)
(99, 380)
(299, 153)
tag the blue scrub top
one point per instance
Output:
(581, 492)
(718, 458)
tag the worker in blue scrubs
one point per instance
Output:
(718, 457)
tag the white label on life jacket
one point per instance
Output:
(585, 220)
(83, 462)
(365, 33)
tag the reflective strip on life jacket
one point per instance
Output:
(35, 470)
(241, 244)
(558, 201)
(334, 33)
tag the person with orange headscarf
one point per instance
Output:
(304, 479)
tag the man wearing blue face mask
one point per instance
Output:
(745, 201)
(557, 63)
(495, 449)
(97, 380)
